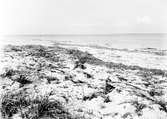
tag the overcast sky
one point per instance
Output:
(82, 16)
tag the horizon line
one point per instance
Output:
(114, 34)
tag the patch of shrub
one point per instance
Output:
(126, 115)
(107, 99)
(10, 48)
(108, 87)
(12, 104)
(27, 108)
(155, 92)
(84, 57)
(8, 72)
(139, 107)
(43, 107)
(163, 105)
(87, 75)
(90, 97)
(17, 76)
(122, 79)
(51, 78)
(22, 79)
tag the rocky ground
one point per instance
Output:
(53, 82)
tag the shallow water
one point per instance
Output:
(129, 41)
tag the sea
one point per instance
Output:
(119, 41)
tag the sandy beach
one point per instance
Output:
(71, 81)
(83, 59)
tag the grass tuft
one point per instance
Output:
(28, 108)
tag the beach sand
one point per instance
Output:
(39, 81)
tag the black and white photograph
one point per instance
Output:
(83, 59)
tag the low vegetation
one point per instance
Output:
(28, 108)
(58, 83)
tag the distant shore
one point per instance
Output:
(117, 41)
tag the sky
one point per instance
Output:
(82, 16)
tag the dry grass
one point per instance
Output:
(32, 109)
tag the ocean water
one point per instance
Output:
(120, 41)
